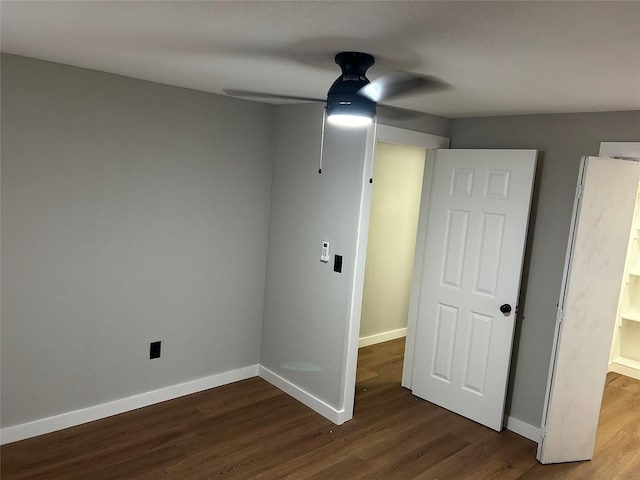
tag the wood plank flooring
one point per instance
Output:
(251, 430)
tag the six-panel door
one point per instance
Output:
(474, 247)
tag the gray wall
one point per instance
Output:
(131, 212)
(562, 140)
(306, 303)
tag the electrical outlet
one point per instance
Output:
(154, 350)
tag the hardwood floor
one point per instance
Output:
(251, 430)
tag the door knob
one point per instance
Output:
(506, 308)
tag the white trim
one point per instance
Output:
(350, 365)
(382, 337)
(314, 403)
(617, 365)
(524, 429)
(103, 410)
(412, 138)
(416, 277)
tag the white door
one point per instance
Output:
(603, 213)
(473, 254)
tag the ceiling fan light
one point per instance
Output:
(343, 120)
(350, 110)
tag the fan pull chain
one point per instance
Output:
(324, 120)
(373, 150)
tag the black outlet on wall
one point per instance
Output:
(154, 350)
(337, 264)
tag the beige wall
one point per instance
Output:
(395, 206)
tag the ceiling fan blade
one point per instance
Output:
(266, 96)
(397, 84)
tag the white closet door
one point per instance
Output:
(603, 213)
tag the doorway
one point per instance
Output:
(393, 225)
(394, 136)
(490, 190)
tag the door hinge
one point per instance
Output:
(560, 315)
(543, 433)
(579, 190)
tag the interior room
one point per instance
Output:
(170, 179)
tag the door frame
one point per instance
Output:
(418, 262)
(400, 136)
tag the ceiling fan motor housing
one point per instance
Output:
(343, 97)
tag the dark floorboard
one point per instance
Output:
(251, 430)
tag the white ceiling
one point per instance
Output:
(500, 57)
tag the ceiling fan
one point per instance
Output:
(352, 99)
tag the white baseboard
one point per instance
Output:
(96, 412)
(626, 370)
(336, 416)
(524, 429)
(78, 417)
(382, 337)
